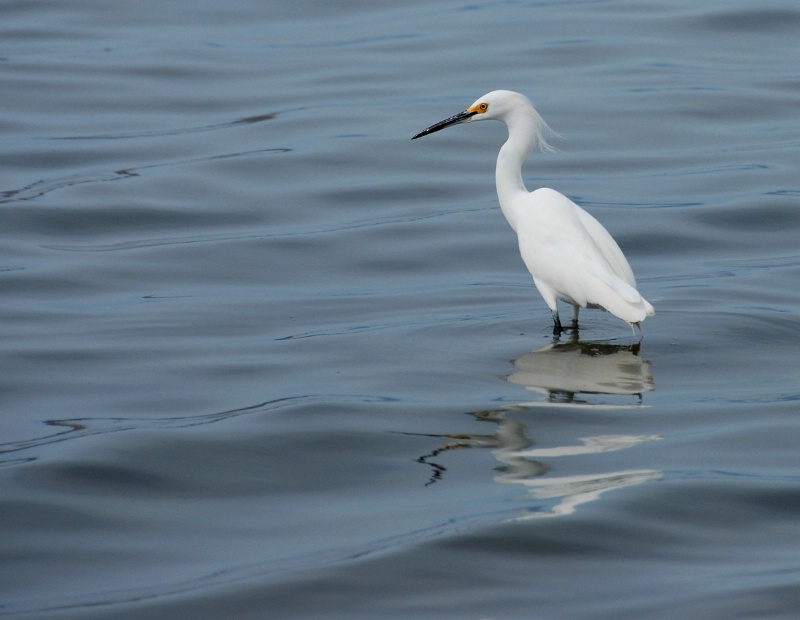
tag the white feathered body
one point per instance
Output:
(574, 259)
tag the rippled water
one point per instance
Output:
(263, 356)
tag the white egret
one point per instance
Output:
(568, 252)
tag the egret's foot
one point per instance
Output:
(573, 331)
(557, 328)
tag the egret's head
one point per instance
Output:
(495, 105)
(503, 105)
(499, 105)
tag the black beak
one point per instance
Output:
(461, 117)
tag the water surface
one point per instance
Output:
(263, 356)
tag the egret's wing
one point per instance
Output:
(569, 252)
(570, 277)
(607, 246)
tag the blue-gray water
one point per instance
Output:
(263, 356)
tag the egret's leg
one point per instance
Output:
(575, 309)
(550, 299)
(557, 329)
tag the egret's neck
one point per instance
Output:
(508, 174)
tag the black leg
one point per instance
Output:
(557, 329)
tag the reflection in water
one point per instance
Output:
(562, 371)
(510, 435)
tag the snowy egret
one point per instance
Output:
(568, 252)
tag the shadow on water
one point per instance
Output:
(573, 374)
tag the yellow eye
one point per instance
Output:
(479, 109)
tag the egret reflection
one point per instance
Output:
(523, 464)
(569, 374)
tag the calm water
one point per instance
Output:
(265, 357)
